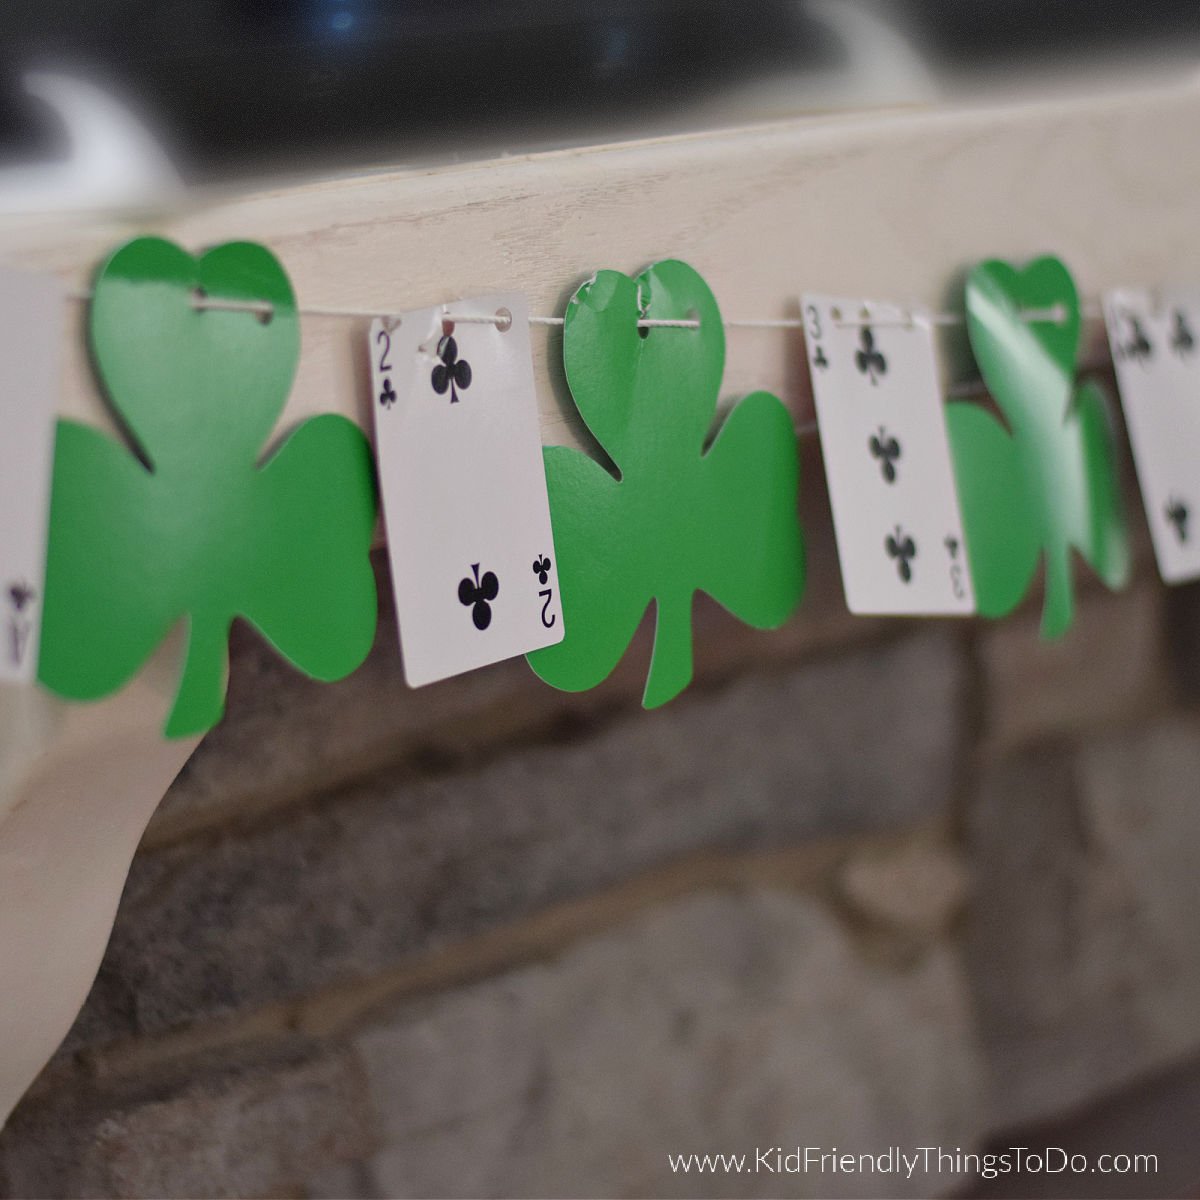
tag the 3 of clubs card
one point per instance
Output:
(887, 459)
(463, 486)
(1156, 349)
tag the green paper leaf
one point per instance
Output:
(1047, 482)
(200, 529)
(680, 518)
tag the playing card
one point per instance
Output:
(31, 320)
(887, 459)
(1156, 348)
(463, 487)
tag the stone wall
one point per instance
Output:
(866, 884)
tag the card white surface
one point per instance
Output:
(459, 447)
(887, 458)
(31, 330)
(1156, 349)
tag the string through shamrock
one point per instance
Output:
(452, 372)
(686, 512)
(263, 308)
(1042, 483)
(282, 539)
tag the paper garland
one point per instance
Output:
(677, 519)
(1048, 482)
(185, 521)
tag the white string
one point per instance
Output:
(1055, 315)
(264, 309)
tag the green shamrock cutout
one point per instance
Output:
(1047, 482)
(679, 517)
(189, 520)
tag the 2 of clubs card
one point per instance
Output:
(1156, 350)
(463, 486)
(887, 459)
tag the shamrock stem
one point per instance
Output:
(200, 701)
(1058, 605)
(671, 659)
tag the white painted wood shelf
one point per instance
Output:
(893, 205)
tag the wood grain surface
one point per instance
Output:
(893, 205)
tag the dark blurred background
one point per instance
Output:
(237, 87)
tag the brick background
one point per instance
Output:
(865, 884)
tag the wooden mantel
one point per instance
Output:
(894, 205)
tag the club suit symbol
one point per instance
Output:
(903, 550)
(478, 594)
(869, 360)
(452, 372)
(887, 450)
(1178, 514)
